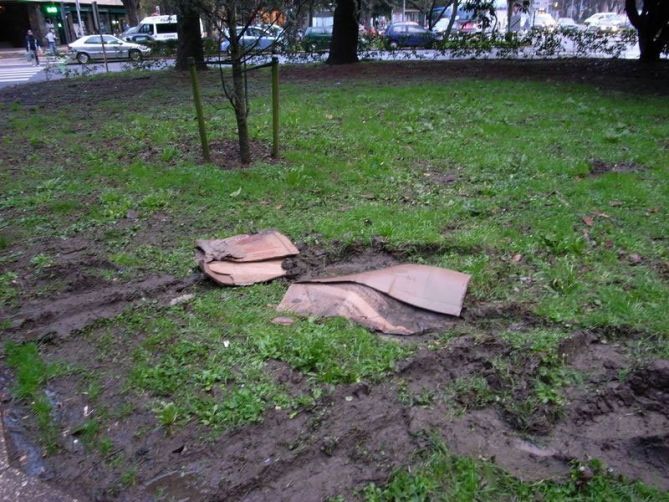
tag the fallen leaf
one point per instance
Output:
(588, 220)
(236, 192)
(517, 258)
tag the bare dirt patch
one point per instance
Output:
(98, 300)
(360, 433)
(619, 75)
(598, 166)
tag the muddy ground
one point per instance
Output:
(355, 434)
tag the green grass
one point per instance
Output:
(32, 375)
(209, 364)
(443, 476)
(360, 161)
(361, 167)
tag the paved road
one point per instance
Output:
(16, 72)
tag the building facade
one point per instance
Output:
(70, 20)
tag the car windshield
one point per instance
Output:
(319, 30)
(107, 38)
(462, 14)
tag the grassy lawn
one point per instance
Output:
(489, 177)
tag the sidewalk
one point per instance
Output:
(13, 53)
(19, 54)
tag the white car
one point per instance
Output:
(544, 21)
(90, 47)
(606, 21)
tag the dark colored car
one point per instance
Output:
(133, 35)
(317, 38)
(409, 35)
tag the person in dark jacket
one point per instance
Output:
(32, 45)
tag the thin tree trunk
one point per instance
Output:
(344, 45)
(239, 89)
(451, 21)
(509, 13)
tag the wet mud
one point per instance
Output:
(355, 434)
(598, 167)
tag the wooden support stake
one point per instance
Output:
(275, 107)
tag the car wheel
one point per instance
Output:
(83, 58)
(134, 55)
(394, 45)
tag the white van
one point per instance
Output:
(156, 28)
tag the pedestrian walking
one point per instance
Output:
(32, 46)
(51, 42)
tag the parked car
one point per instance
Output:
(595, 18)
(544, 21)
(317, 38)
(156, 28)
(256, 38)
(613, 23)
(607, 22)
(464, 21)
(568, 24)
(128, 34)
(90, 47)
(409, 35)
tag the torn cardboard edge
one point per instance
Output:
(266, 245)
(430, 288)
(246, 259)
(402, 300)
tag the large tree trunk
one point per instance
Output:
(650, 49)
(652, 27)
(131, 7)
(238, 97)
(189, 44)
(344, 45)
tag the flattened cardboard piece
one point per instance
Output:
(243, 274)
(431, 288)
(363, 305)
(246, 247)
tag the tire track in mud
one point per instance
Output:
(44, 319)
(361, 433)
